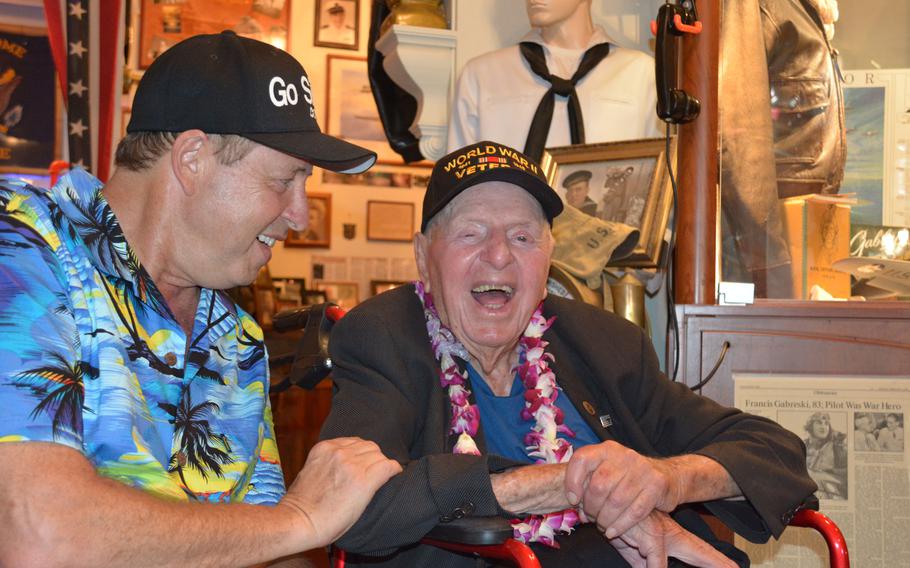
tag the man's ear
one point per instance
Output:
(188, 156)
(421, 244)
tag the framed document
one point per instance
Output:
(390, 221)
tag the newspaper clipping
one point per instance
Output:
(854, 434)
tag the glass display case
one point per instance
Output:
(814, 131)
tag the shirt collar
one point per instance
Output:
(79, 196)
(599, 36)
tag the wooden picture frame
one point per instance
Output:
(288, 292)
(337, 24)
(380, 286)
(382, 176)
(161, 25)
(350, 110)
(311, 297)
(31, 120)
(318, 233)
(627, 182)
(345, 294)
(390, 221)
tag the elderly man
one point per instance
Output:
(501, 401)
(133, 392)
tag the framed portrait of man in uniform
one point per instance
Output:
(621, 182)
(336, 24)
(318, 232)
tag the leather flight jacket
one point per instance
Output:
(807, 108)
(781, 120)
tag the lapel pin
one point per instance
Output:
(589, 408)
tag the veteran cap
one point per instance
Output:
(580, 175)
(482, 162)
(228, 84)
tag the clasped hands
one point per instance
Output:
(629, 497)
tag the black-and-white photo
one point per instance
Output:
(612, 191)
(336, 23)
(878, 431)
(826, 453)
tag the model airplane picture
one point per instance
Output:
(878, 276)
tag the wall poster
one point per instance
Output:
(877, 106)
(166, 22)
(28, 101)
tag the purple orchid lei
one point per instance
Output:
(541, 391)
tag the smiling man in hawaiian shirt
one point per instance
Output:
(130, 384)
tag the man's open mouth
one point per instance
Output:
(492, 295)
(267, 241)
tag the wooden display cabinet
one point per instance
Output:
(811, 338)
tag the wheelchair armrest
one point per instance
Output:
(485, 537)
(477, 531)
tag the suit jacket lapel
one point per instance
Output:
(570, 372)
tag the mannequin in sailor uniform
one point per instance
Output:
(498, 93)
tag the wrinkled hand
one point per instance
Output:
(650, 542)
(617, 487)
(336, 484)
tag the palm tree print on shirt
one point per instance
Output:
(198, 447)
(59, 387)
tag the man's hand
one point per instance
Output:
(336, 484)
(617, 487)
(650, 542)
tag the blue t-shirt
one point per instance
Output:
(503, 426)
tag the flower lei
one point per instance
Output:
(541, 392)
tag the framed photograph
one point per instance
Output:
(311, 297)
(336, 24)
(162, 24)
(345, 294)
(390, 221)
(289, 292)
(380, 286)
(265, 298)
(30, 105)
(319, 230)
(351, 110)
(397, 177)
(624, 182)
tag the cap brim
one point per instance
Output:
(319, 149)
(541, 191)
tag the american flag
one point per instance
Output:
(87, 43)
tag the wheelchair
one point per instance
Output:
(486, 537)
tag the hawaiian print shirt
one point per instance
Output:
(91, 357)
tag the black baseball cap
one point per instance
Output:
(228, 84)
(482, 162)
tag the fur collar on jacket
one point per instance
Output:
(827, 11)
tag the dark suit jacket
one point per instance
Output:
(387, 390)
